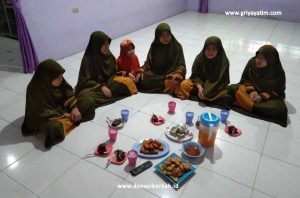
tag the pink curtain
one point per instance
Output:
(29, 57)
(203, 6)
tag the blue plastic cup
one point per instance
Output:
(124, 115)
(224, 115)
(189, 117)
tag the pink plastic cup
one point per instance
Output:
(112, 132)
(132, 157)
(172, 106)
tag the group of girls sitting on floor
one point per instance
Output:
(54, 108)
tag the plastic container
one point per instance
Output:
(172, 106)
(208, 127)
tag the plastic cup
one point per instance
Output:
(189, 117)
(172, 105)
(112, 132)
(132, 157)
(224, 115)
(124, 115)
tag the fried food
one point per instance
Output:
(174, 168)
(161, 148)
(151, 147)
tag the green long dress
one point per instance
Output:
(212, 74)
(45, 104)
(98, 70)
(161, 61)
(269, 82)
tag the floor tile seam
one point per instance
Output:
(261, 156)
(20, 184)
(58, 177)
(227, 177)
(144, 189)
(7, 88)
(272, 32)
(285, 134)
(17, 161)
(282, 161)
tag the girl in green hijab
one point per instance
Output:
(210, 74)
(261, 90)
(51, 107)
(165, 65)
(98, 78)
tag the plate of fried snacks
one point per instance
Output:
(151, 148)
(174, 169)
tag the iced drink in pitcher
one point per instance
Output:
(209, 124)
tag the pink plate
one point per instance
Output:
(108, 149)
(239, 132)
(161, 121)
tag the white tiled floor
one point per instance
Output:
(263, 162)
(10, 55)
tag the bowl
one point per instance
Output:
(190, 149)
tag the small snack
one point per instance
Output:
(174, 167)
(102, 149)
(179, 131)
(233, 131)
(157, 120)
(116, 122)
(154, 118)
(197, 124)
(151, 147)
(120, 155)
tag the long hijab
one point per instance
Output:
(96, 68)
(164, 59)
(270, 79)
(212, 74)
(43, 100)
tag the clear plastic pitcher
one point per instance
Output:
(209, 124)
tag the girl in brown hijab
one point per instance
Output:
(51, 107)
(98, 78)
(210, 74)
(261, 90)
(165, 65)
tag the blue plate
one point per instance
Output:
(137, 146)
(181, 179)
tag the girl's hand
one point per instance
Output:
(139, 76)
(75, 115)
(106, 91)
(200, 91)
(132, 77)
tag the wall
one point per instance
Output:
(193, 5)
(57, 32)
(289, 8)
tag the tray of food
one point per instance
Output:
(175, 170)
